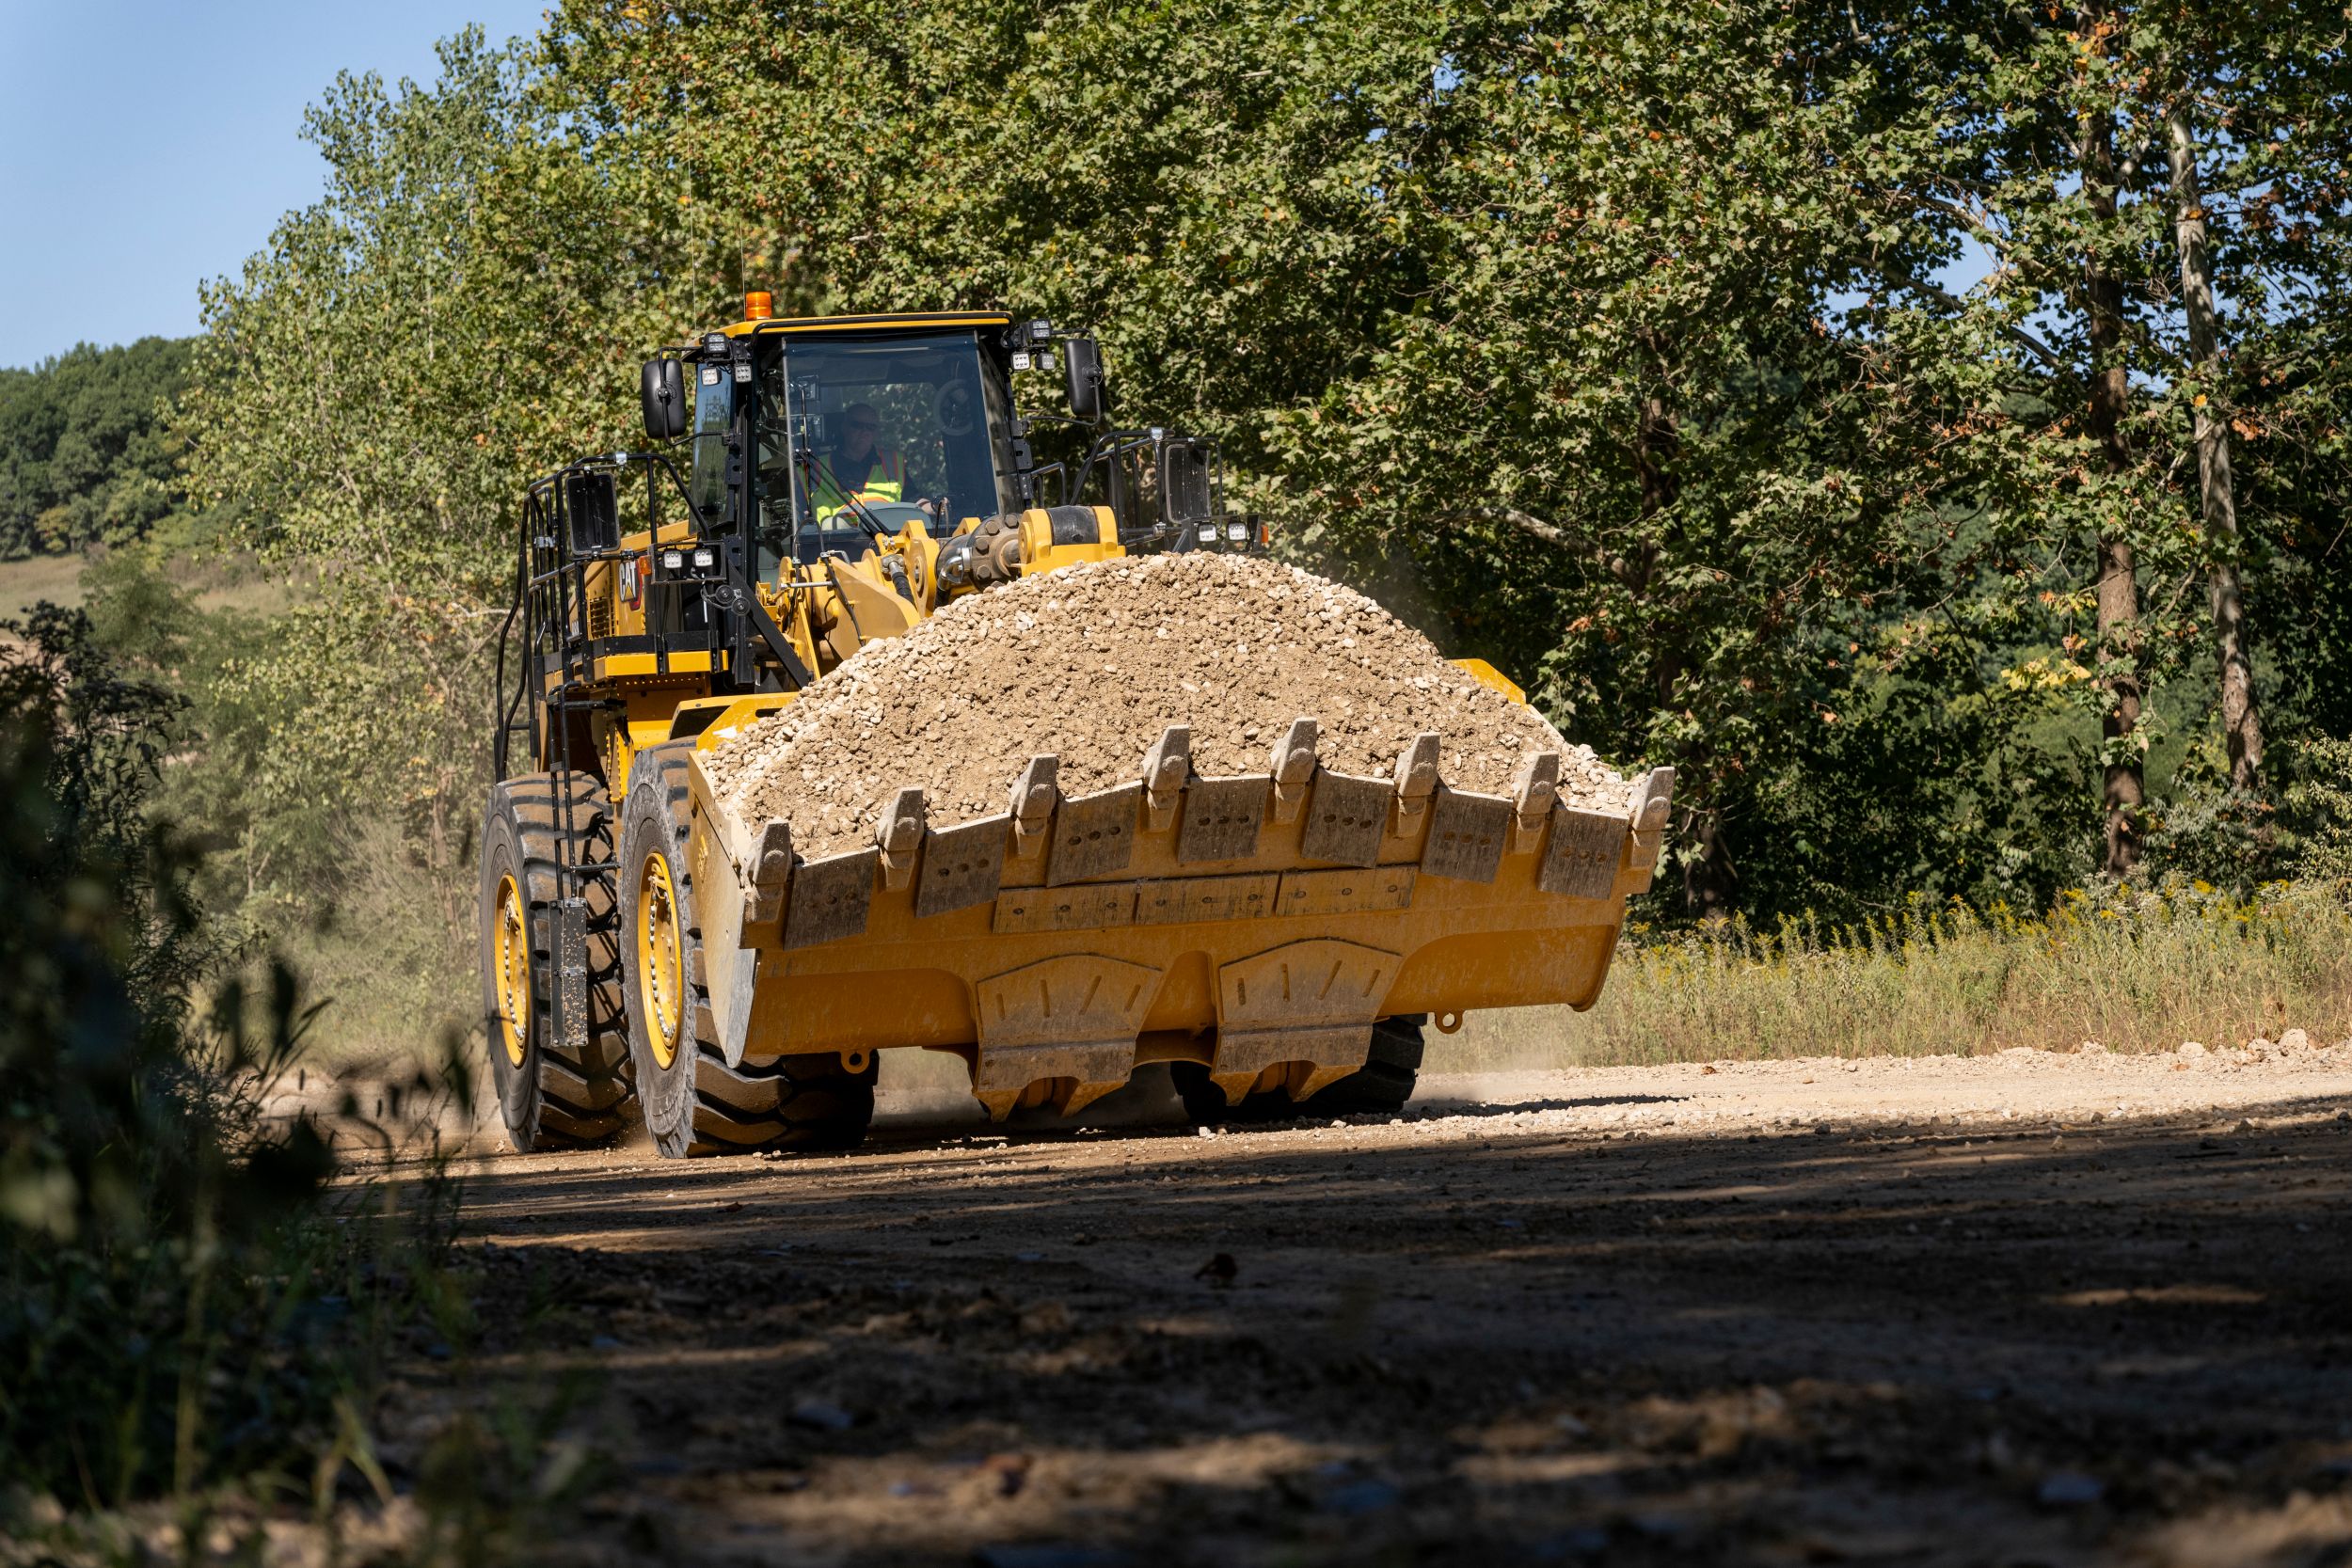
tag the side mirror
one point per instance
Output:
(662, 391)
(1083, 362)
(591, 512)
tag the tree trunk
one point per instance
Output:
(1708, 881)
(2118, 588)
(2241, 718)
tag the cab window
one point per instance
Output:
(714, 412)
(889, 428)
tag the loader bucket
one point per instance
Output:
(1260, 924)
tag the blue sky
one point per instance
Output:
(145, 145)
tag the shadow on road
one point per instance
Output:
(1446, 1342)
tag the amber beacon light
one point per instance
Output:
(758, 306)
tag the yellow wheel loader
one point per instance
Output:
(812, 485)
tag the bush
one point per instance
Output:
(2321, 801)
(170, 1286)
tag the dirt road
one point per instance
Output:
(2033, 1309)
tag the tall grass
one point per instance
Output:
(2135, 969)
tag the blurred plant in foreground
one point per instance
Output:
(197, 1306)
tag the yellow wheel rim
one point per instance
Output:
(510, 951)
(660, 962)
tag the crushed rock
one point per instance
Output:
(1092, 663)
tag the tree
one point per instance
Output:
(1620, 341)
(85, 455)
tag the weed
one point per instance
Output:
(2135, 969)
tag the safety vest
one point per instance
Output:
(886, 481)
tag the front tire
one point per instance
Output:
(1383, 1084)
(550, 1096)
(694, 1104)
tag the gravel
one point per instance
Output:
(1093, 663)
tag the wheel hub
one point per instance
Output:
(661, 967)
(511, 956)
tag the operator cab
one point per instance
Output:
(817, 438)
(854, 434)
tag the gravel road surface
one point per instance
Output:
(2020, 1310)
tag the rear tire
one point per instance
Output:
(694, 1104)
(1383, 1084)
(550, 1096)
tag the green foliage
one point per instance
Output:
(2321, 804)
(1605, 340)
(178, 1308)
(346, 397)
(457, 313)
(86, 455)
(133, 1186)
(1602, 341)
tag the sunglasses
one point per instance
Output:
(869, 429)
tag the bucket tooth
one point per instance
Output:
(1416, 781)
(1033, 796)
(1345, 818)
(1533, 790)
(770, 871)
(1075, 1017)
(1466, 836)
(1293, 766)
(1166, 767)
(1313, 1000)
(1094, 834)
(1653, 798)
(1069, 1095)
(898, 835)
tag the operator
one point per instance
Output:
(857, 467)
